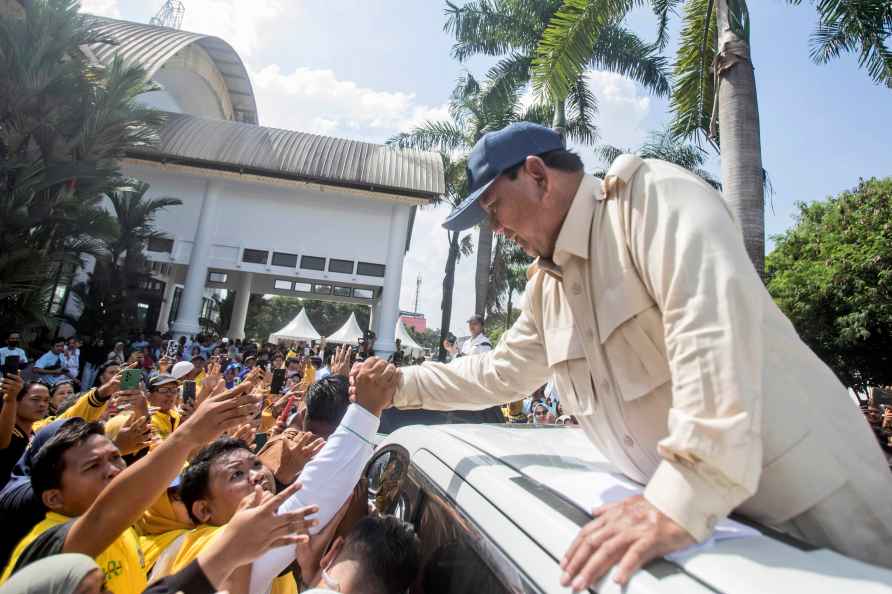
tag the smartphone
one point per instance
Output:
(278, 381)
(172, 349)
(130, 379)
(11, 365)
(189, 392)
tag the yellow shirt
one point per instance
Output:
(195, 541)
(164, 423)
(122, 562)
(88, 407)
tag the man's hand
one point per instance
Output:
(628, 533)
(11, 385)
(373, 384)
(299, 447)
(254, 529)
(218, 414)
(342, 360)
(135, 434)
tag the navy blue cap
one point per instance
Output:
(493, 154)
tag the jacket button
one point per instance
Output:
(628, 441)
(576, 289)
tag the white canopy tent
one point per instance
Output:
(406, 341)
(299, 328)
(349, 333)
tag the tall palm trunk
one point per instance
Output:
(484, 261)
(742, 174)
(448, 286)
(559, 122)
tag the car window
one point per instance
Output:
(449, 543)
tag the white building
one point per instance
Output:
(264, 210)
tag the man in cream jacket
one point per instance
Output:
(646, 312)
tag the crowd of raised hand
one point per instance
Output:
(201, 477)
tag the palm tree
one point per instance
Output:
(475, 109)
(63, 126)
(110, 300)
(663, 145)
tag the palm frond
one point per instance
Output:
(582, 110)
(496, 27)
(663, 10)
(693, 85)
(619, 50)
(567, 44)
(441, 136)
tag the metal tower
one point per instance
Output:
(170, 15)
(417, 291)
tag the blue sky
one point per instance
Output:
(367, 69)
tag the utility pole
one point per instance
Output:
(417, 291)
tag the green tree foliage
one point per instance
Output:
(268, 314)
(429, 339)
(832, 275)
(64, 123)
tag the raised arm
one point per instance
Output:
(130, 493)
(329, 478)
(11, 385)
(517, 365)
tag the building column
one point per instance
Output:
(374, 315)
(240, 307)
(196, 276)
(166, 303)
(389, 303)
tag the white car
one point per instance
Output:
(496, 507)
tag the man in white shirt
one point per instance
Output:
(476, 344)
(329, 478)
(12, 348)
(71, 358)
(49, 367)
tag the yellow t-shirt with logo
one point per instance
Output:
(194, 542)
(164, 423)
(122, 561)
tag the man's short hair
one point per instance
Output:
(195, 478)
(49, 463)
(560, 159)
(387, 551)
(327, 400)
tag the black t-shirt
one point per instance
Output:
(11, 455)
(50, 542)
(20, 511)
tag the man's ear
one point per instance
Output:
(201, 509)
(537, 169)
(52, 499)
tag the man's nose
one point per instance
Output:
(256, 477)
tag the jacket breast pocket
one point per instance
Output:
(570, 370)
(631, 329)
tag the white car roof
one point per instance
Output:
(542, 479)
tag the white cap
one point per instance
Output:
(182, 369)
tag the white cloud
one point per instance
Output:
(312, 100)
(427, 256)
(106, 8)
(622, 111)
(242, 23)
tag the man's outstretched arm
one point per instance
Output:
(517, 365)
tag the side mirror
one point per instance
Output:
(385, 474)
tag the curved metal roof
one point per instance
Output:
(298, 155)
(150, 47)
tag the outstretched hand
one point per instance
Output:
(373, 384)
(628, 533)
(254, 529)
(342, 360)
